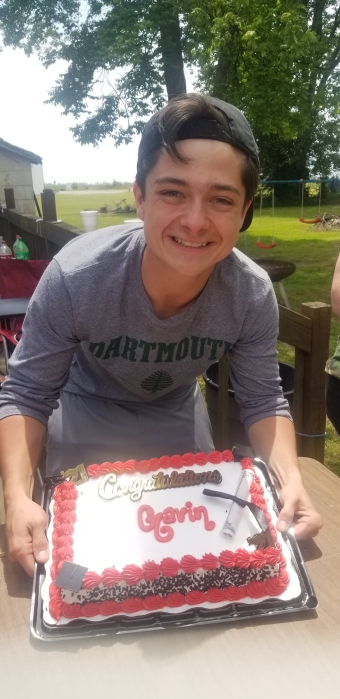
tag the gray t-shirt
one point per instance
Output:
(90, 329)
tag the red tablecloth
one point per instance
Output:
(18, 278)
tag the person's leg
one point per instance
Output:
(88, 430)
(333, 401)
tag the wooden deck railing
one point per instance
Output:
(308, 332)
(44, 239)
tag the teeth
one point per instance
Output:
(190, 245)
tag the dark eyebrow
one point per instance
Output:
(224, 188)
(171, 180)
(214, 187)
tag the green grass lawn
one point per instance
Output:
(313, 252)
(69, 205)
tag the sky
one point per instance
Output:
(27, 122)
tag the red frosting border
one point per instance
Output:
(65, 516)
(176, 461)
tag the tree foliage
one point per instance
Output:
(121, 57)
(278, 60)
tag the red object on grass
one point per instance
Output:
(262, 245)
(311, 220)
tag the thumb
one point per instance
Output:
(286, 516)
(40, 544)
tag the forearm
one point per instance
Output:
(21, 444)
(273, 440)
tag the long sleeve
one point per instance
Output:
(254, 368)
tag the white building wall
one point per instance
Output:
(16, 172)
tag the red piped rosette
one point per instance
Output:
(64, 516)
(150, 570)
(132, 605)
(164, 462)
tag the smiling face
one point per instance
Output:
(193, 211)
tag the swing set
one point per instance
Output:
(334, 187)
(280, 269)
(276, 269)
(259, 243)
(317, 219)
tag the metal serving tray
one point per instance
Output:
(231, 612)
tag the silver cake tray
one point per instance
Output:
(230, 612)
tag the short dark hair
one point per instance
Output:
(174, 121)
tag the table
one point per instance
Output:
(10, 308)
(293, 656)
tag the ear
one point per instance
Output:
(246, 207)
(139, 200)
(244, 213)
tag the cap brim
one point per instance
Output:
(248, 218)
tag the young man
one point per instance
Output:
(126, 318)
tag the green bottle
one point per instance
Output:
(21, 250)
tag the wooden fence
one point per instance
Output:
(44, 239)
(308, 332)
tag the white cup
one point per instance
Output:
(89, 220)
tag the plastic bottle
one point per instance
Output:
(5, 251)
(15, 244)
(21, 250)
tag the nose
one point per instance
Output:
(194, 216)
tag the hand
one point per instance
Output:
(298, 510)
(26, 523)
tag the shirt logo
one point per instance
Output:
(134, 350)
(157, 381)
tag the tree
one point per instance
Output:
(121, 56)
(278, 60)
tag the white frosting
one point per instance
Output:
(107, 532)
(114, 522)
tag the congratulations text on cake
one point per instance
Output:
(111, 486)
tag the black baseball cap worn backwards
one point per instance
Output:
(236, 132)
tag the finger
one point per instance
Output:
(308, 528)
(39, 543)
(40, 549)
(27, 562)
(25, 554)
(20, 551)
(286, 516)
